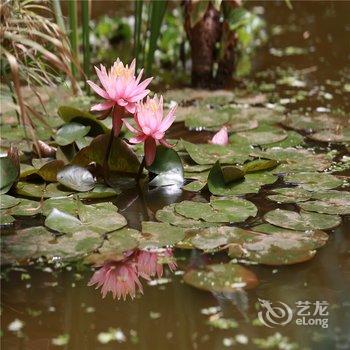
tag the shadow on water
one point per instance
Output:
(53, 302)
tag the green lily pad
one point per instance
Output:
(250, 184)
(7, 201)
(76, 178)
(9, 173)
(261, 114)
(100, 217)
(315, 122)
(258, 165)
(49, 170)
(41, 190)
(168, 166)
(236, 209)
(117, 243)
(295, 160)
(70, 114)
(203, 118)
(70, 132)
(25, 207)
(302, 221)
(121, 158)
(100, 191)
(170, 216)
(221, 278)
(329, 202)
(264, 134)
(35, 242)
(159, 234)
(290, 195)
(67, 205)
(312, 181)
(332, 135)
(6, 219)
(239, 122)
(194, 186)
(294, 139)
(210, 154)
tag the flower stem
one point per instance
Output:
(142, 166)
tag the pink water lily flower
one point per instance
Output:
(221, 137)
(121, 90)
(119, 277)
(150, 264)
(150, 126)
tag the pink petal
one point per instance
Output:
(98, 90)
(130, 127)
(138, 138)
(165, 143)
(221, 137)
(103, 106)
(130, 107)
(166, 123)
(150, 150)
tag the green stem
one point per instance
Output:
(85, 10)
(157, 11)
(58, 15)
(73, 33)
(142, 166)
(137, 31)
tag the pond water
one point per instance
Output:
(54, 301)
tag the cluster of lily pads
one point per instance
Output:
(66, 187)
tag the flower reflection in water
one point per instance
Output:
(122, 277)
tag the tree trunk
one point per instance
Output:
(203, 37)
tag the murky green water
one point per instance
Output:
(53, 301)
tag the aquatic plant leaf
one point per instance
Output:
(258, 165)
(329, 202)
(63, 222)
(204, 118)
(315, 122)
(121, 158)
(332, 135)
(264, 134)
(170, 216)
(9, 173)
(294, 139)
(6, 219)
(100, 191)
(295, 160)
(250, 184)
(7, 201)
(71, 114)
(101, 217)
(37, 241)
(117, 243)
(301, 221)
(159, 234)
(312, 181)
(236, 209)
(70, 132)
(26, 170)
(168, 166)
(261, 114)
(290, 195)
(210, 154)
(64, 204)
(76, 178)
(194, 186)
(41, 190)
(221, 278)
(49, 170)
(25, 207)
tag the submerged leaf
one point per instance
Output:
(221, 278)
